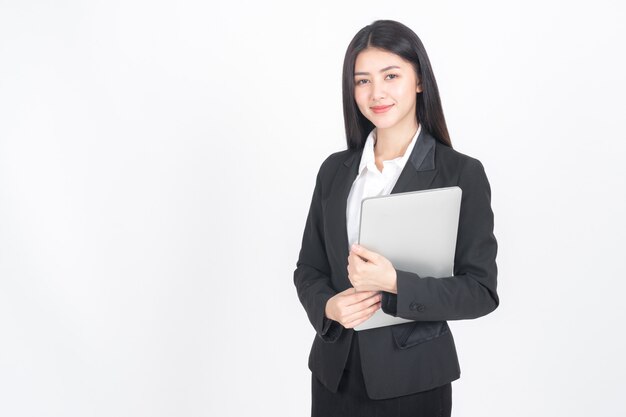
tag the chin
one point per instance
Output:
(383, 124)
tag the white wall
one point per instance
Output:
(157, 161)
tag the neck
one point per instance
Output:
(393, 142)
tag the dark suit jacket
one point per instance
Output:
(409, 357)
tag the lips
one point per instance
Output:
(380, 109)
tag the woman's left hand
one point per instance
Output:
(370, 271)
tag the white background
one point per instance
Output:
(157, 161)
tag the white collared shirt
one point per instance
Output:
(370, 182)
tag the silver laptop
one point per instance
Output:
(416, 231)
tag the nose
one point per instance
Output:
(378, 92)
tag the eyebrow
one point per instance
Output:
(382, 70)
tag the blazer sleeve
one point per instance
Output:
(312, 274)
(471, 291)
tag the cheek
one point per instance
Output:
(403, 92)
(360, 97)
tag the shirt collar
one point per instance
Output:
(368, 159)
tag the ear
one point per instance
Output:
(418, 89)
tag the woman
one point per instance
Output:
(397, 142)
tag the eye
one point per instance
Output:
(358, 82)
(392, 75)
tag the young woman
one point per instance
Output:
(397, 142)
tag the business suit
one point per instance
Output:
(410, 357)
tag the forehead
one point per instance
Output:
(374, 59)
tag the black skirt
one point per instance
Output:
(351, 398)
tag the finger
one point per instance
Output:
(356, 297)
(354, 259)
(361, 316)
(346, 297)
(358, 318)
(376, 298)
(367, 254)
(361, 306)
(351, 291)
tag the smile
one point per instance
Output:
(381, 109)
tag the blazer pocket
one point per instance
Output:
(414, 333)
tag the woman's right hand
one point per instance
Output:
(351, 308)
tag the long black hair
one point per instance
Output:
(396, 38)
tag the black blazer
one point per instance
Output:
(409, 357)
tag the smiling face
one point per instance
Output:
(385, 87)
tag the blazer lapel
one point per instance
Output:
(419, 171)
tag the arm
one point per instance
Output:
(312, 274)
(471, 292)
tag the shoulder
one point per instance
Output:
(336, 158)
(333, 162)
(465, 171)
(452, 160)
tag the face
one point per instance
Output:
(385, 87)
